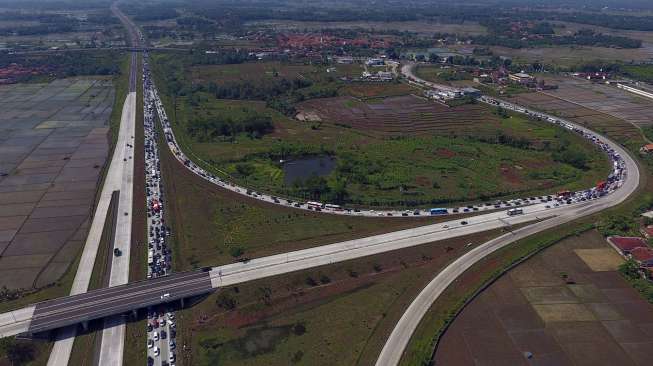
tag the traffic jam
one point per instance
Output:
(161, 331)
(617, 175)
(612, 182)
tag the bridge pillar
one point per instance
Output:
(135, 314)
(182, 302)
(85, 325)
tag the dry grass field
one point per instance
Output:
(593, 317)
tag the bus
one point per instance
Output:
(333, 207)
(438, 211)
(314, 205)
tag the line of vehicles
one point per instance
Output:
(618, 173)
(612, 182)
(161, 327)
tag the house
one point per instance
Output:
(626, 245)
(648, 148)
(375, 62)
(345, 60)
(521, 78)
(385, 75)
(643, 256)
(472, 92)
(443, 94)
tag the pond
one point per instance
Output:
(303, 168)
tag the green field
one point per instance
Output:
(389, 171)
(639, 72)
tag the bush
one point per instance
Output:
(618, 225)
(226, 302)
(236, 251)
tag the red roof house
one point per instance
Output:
(643, 255)
(626, 244)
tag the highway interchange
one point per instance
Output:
(541, 213)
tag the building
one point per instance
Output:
(443, 94)
(472, 92)
(625, 245)
(345, 60)
(375, 62)
(643, 256)
(385, 75)
(521, 78)
(647, 149)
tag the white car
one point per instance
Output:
(155, 336)
(150, 343)
(156, 351)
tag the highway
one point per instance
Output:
(116, 300)
(112, 344)
(119, 178)
(398, 340)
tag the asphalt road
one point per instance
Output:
(113, 334)
(119, 170)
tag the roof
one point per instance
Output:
(642, 254)
(522, 75)
(627, 243)
(648, 147)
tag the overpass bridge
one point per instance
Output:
(104, 302)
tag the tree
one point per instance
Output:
(18, 353)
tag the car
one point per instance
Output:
(150, 343)
(117, 252)
(172, 357)
(165, 296)
(149, 326)
(164, 335)
(156, 351)
(463, 223)
(155, 336)
(173, 344)
(150, 361)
